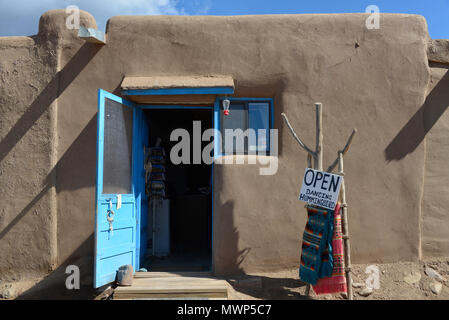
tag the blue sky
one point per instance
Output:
(21, 17)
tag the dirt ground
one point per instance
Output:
(397, 281)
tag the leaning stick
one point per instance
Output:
(343, 151)
(302, 144)
(347, 245)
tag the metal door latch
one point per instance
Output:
(110, 217)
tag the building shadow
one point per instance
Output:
(78, 165)
(42, 102)
(76, 168)
(25, 210)
(416, 129)
(268, 288)
(53, 286)
(230, 259)
(47, 96)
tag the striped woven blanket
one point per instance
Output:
(316, 255)
(336, 283)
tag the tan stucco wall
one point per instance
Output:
(27, 130)
(435, 205)
(378, 86)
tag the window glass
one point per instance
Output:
(259, 119)
(245, 115)
(118, 137)
(237, 119)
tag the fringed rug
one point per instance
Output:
(336, 283)
(316, 255)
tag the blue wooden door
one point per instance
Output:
(117, 212)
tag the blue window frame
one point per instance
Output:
(245, 113)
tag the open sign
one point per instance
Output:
(320, 188)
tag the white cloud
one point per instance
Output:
(21, 17)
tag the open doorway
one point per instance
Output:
(179, 203)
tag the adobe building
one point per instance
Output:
(158, 73)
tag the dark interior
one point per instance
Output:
(188, 187)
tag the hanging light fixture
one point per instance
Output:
(226, 104)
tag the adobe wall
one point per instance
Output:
(435, 204)
(376, 85)
(375, 80)
(27, 142)
(377, 88)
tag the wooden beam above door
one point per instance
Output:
(177, 85)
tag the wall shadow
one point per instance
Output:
(77, 169)
(76, 176)
(53, 286)
(25, 210)
(47, 96)
(78, 164)
(416, 129)
(228, 264)
(269, 288)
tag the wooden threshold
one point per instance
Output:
(156, 274)
(167, 285)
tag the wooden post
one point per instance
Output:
(347, 245)
(318, 163)
(309, 161)
(319, 137)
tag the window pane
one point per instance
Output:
(237, 119)
(259, 120)
(118, 138)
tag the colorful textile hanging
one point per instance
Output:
(337, 282)
(316, 256)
